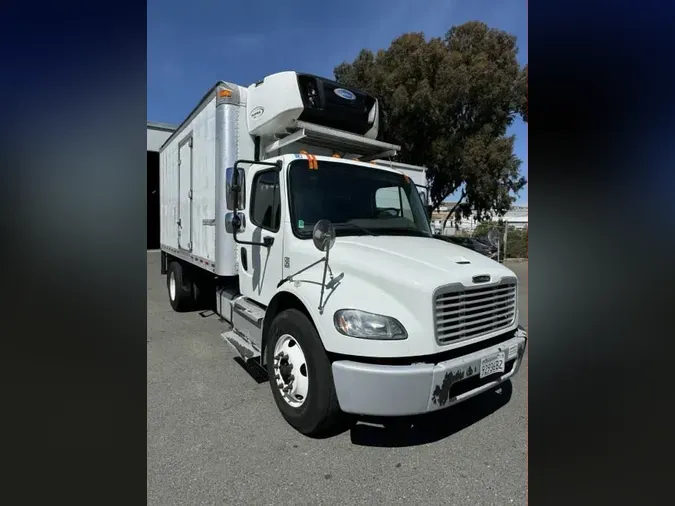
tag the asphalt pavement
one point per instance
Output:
(215, 435)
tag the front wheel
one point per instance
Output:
(300, 375)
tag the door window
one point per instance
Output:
(266, 201)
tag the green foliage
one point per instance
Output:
(448, 103)
(482, 229)
(516, 243)
(522, 92)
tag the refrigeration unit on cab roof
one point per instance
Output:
(281, 100)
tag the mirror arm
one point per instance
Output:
(267, 241)
(323, 240)
(323, 282)
(290, 277)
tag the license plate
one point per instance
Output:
(492, 365)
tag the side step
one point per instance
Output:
(250, 311)
(244, 348)
(248, 355)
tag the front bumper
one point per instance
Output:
(399, 390)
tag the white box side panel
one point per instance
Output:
(204, 183)
(202, 129)
(245, 151)
(168, 195)
(236, 144)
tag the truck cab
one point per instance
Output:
(335, 284)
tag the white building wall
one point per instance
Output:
(517, 217)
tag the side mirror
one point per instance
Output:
(493, 236)
(235, 223)
(235, 190)
(323, 235)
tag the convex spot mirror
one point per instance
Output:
(323, 235)
(493, 236)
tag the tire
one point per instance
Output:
(180, 288)
(319, 414)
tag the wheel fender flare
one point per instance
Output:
(281, 301)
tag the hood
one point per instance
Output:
(422, 261)
(390, 275)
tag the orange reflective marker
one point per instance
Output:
(313, 164)
(224, 93)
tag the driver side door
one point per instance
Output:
(260, 267)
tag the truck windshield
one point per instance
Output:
(357, 200)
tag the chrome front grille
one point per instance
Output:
(463, 313)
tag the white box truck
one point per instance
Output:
(280, 208)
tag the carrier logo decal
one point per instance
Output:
(257, 112)
(346, 94)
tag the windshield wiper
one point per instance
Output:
(353, 225)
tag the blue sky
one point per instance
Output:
(193, 45)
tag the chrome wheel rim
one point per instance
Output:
(290, 371)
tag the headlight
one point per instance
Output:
(355, 323)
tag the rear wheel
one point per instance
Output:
(300, 375)
(180, 288)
